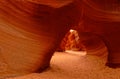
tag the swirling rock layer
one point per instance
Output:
(102, 18)
(30, 33)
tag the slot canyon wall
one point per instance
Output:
(101, 21)
(99, 29)
(31, 30)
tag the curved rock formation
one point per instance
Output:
(94, 45)
(102, 18)
(30, 32)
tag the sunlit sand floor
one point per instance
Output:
(73, 66)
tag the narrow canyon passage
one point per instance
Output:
(31, 30)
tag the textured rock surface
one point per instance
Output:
(30, 33)
(102, 18)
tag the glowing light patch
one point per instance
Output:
(71, 30)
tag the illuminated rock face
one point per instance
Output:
(30, 33)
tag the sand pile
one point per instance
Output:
(72, 66)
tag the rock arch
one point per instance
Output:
(28, 30)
